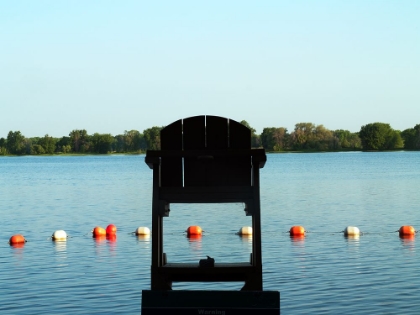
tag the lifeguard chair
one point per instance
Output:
(205, 159)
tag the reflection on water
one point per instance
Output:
(18, 245)
(144, 241)
(111, 238)
(18, 250)
(297, 239)
(247, 239)
(408, 241)
(195, 242)
(60, 246)
(352, 238)
(99, 240)
(143, 238)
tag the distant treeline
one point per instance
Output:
(306, 137)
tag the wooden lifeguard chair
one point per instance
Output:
(205, 159)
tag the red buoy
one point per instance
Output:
(111, 229)
(17, 239)
(98, 231)
(297, 230)
(194, 230)
(407, 230)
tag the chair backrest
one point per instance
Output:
(210, 134)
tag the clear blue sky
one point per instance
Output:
(111, 66)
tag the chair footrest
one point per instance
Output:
(187, 302)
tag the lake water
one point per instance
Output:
(323, 273)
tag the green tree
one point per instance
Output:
(411, 138)
(63, 145)
(101, 143)
(274, 139)
(152, 138)
(301, 136)
(308, 136)
(347, 140)
(322, 139)
(133, 141)
(48, 144)
(16, 143)
(37, 149)
(118, 144)
(3, 149)
(281, 139)
(267, 138)
(79, 140)
(380, 136)
(395, 141)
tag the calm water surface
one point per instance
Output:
(324, 273)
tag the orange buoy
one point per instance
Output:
(297, 230)
(111, 229)
(407, 230)
(17, 239)
(98, 231)
(194, 230)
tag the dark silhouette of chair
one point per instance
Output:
(205, 159)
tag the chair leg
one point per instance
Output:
(253, 283)
(159, 282)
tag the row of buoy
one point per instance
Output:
(405, 230)
(97, 232)
(196, 230)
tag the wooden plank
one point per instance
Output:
(216, 133)
(171, 167)
(194, 134)
(239, 167)
(216, 139)
(198, 302)
(239, 135)
(216, 194)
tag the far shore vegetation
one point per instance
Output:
(306, 137)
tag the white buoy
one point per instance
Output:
(59, 235)
(143, 231)
(351, 231)
(245, 230)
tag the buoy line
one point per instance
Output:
(404, 231)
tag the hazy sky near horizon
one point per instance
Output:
(110, 66)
